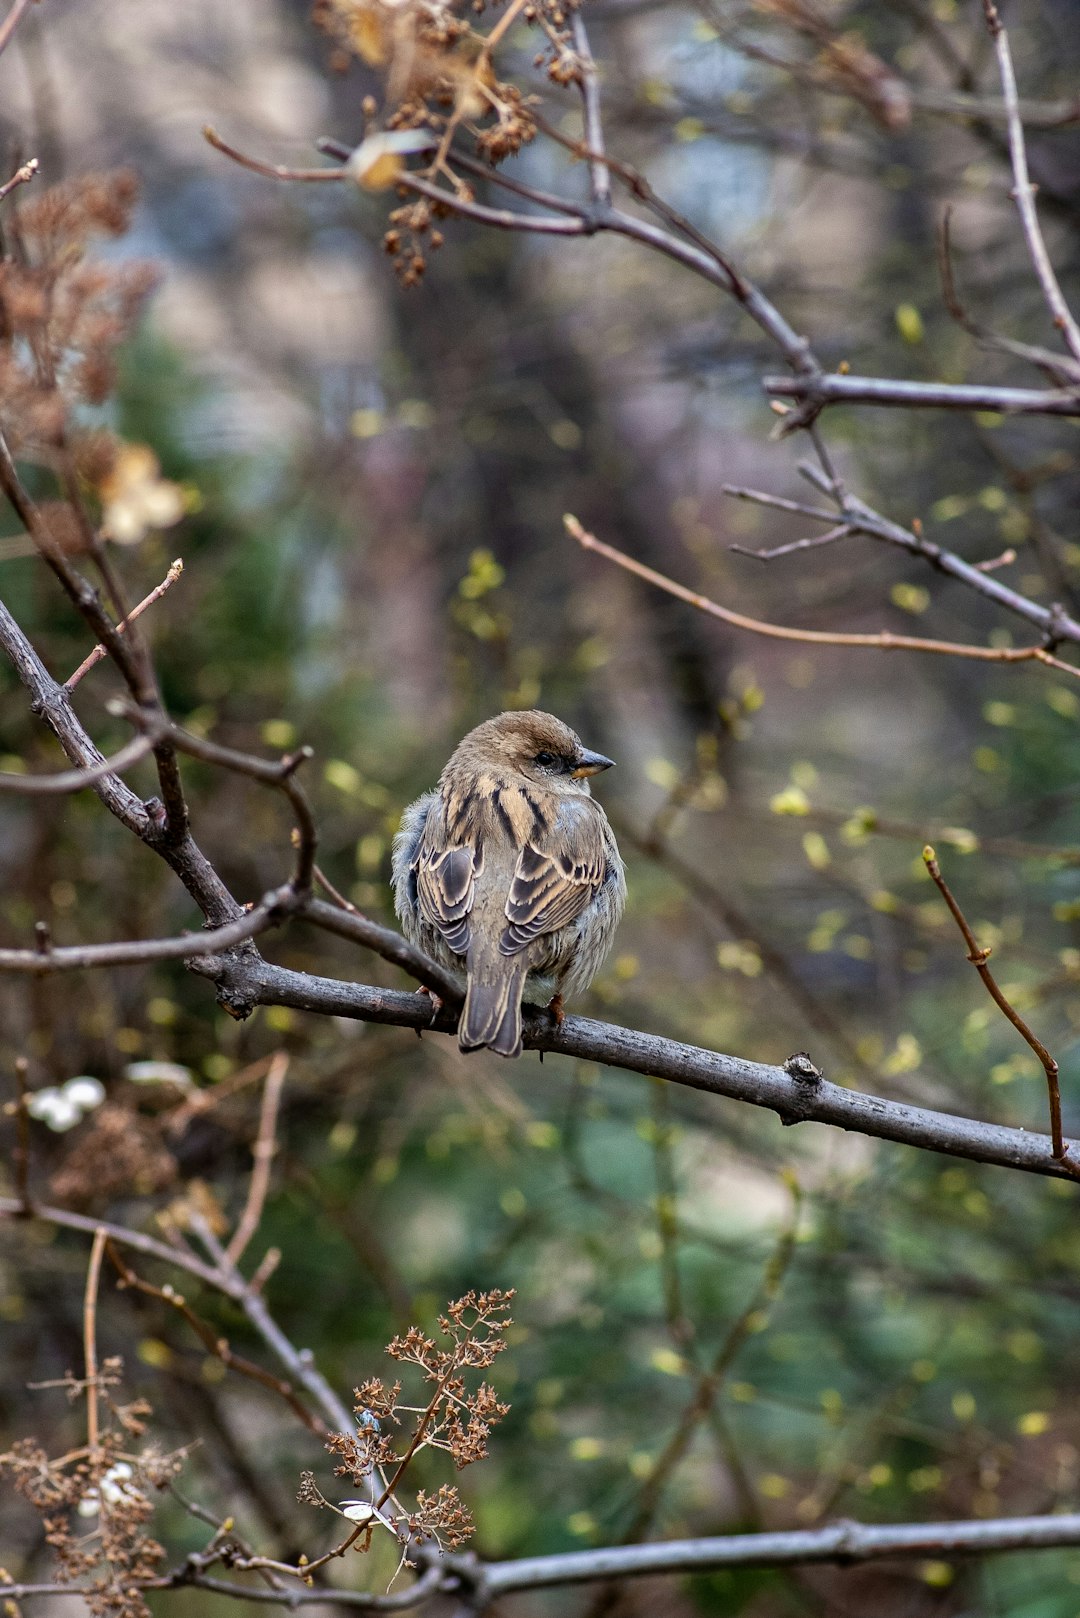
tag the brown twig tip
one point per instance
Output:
(99, 650)
(978, 955)
(22, 176)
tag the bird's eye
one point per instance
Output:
(545, 760)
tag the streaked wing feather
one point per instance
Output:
(445, 889)
(550, 891)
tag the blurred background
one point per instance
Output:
(374, 561)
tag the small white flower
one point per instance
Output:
(84, 1092)
(158, 1073)
(114, 1490)
(65, 1107)
(50, 1106)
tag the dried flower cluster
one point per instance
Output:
(118, 1153)
(95, 1504)
(453, 1419)
(439, 77)
(63, 316)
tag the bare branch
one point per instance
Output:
(777, 502)
(270, 911)
(246, 983)
(884, 641)
(11, 22)
(278, 773)
(1060, 368)
(225, 1278)
(840, 1542)
(99, 650)
(299, 1362)
(263, 1155)
(427, 1585)
(42, 786)
(978, 956)
(1055, 623)
(387, 943)
(214, 1343)
(272, 171)
(842, 530)
(599, 177)
(90, 1298)
(826, 388)
(1024, 191)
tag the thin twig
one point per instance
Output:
(1059, 368)
(336, 895)
(41, 786)
(1055, 623)
(128, 653)
(778, 502)
(99, 651)
(213, 1342)
(21, 1154)
(22, 176)
(270, 911)
(599, 175)
(299, 1362)
(11, 22)
(90, 1298)
(205, 1100)
(272, 171)
(278, 773)
(978, 955)
(1024, 191)
(263, 1155)
(884, 641)
(842, 530)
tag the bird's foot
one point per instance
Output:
(437, 1004)
(555, 1010)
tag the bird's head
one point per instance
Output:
(537, 746)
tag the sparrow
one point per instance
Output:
(509, 875)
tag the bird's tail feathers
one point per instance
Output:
(492, 1013)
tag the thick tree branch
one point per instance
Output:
(250, 982)
(843, 1542)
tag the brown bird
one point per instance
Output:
(509, 873)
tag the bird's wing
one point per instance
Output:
(557, 876)
(446, 886)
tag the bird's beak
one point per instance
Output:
(590, 764)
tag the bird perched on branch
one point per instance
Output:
(509, 874)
